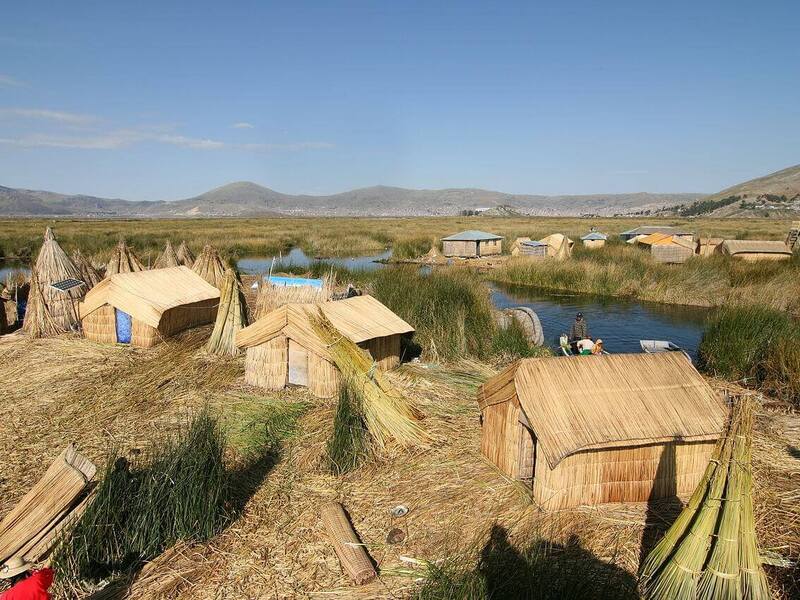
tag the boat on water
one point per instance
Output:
(656, 346)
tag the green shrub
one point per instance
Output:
(411, 247)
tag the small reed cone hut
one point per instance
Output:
(89, 274)
(38, 321)
(185, 256)
(598, 429)
(145, 307)
(283, 348)
(123, 260)
(559, 246)
(167, 259)
(210, 267)
(755, 250)
(53, 265)
(231, 317)
(275, 291)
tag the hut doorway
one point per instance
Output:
(124, 325)
(298, 364)
(527, 454)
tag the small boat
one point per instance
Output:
(656, 346)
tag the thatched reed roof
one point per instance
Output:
(665, 239)
(123, 260)
(231, 317)
(185, 256)
(734, 247)
(559, 246)
(360, 318)
(613, 400)
(472, 235)
(146, 295)
(210, 267)
(38, 321)
(167, 259)
(89, 274)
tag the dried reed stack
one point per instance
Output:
(711, 550)
(38, 322)
(53, 265)
(231, 317)
(210, 267)
(185, 256)
(167, 258)
(351, 551)
(387, 414)
(271, 296)
(89, 274)
(123, 260)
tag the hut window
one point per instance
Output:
(124, 325)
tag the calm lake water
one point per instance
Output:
(620, 323)
(8, 266)
(297, 258)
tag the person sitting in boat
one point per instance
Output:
(585, 347)
(598, 346)
(579, 330)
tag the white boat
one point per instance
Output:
(655, 346)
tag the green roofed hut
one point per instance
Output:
(472, 244)
(650, 229)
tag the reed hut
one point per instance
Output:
(672, 250)
(532, 249)
(650, 229)
(284, 349)
(89, 274)
(210, 267)
(707, 246)
(558, 245)
(123, 260)
(515, 246)
(472, 244)
(61, 304)
(755, 250)
(167, 259)
(144, 307)
(185, 256)
(793, 237)
(231, 317)
(274, 291)
(599, 429)
(594, 239)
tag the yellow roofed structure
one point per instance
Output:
(559, 246)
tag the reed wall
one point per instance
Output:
(594, 243)
(323, 377)
(501, 433)
(101, 325)
(267, 365)
(490, 247)
(385, 351)
(464, 249)
(670, 253)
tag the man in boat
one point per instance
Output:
(579, 330)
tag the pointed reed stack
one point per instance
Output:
(168, 258)
(89, 274)
(123, 260)
(38, 323)
(711, 551)
(388, 416)
(185, 256)
(231, 317)
(210, 267)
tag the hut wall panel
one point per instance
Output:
(186, 316)
(533, 251)
(143, 335)
(298, 364)
(633, 474)
(594, 243)
(459, 248)
(671, 254)
(759, 256)
(385, 351)
(267, 365)
(101, 325)
(323, 377)
(490, 247)
(500, 435)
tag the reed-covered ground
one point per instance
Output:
(331, 236)
(467, 525)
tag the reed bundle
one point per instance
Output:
(210, 267)
(711, 551)
(349, 444)
(185, 256)
(351, 551)
(123, 260)
(38, 321)
(271, 296)
(231, 317)
(386, 413)
(168, 258)
(53, 265)
(89, 274)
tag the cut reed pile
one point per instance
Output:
(167, 258)
(210, 267)
(185, 256)
(89, 274)
(231, 317)
(38, 321)
(123, 260)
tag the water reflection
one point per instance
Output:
(620, 323)
(9, 266)
(297, 258)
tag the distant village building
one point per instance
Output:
(532, 248)
(472, 244)
(793, 239)
(755, 250)
(650, 229)
(594, 239)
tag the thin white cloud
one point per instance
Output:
(243, 125)
(7, 81)
(58, 116)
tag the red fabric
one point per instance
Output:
(33, 588)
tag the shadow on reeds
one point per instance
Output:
(542, 570)
(663, 505)
(793, 451)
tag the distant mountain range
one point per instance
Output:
(778, 193)
(249, 199)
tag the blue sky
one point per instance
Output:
(164, 100)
